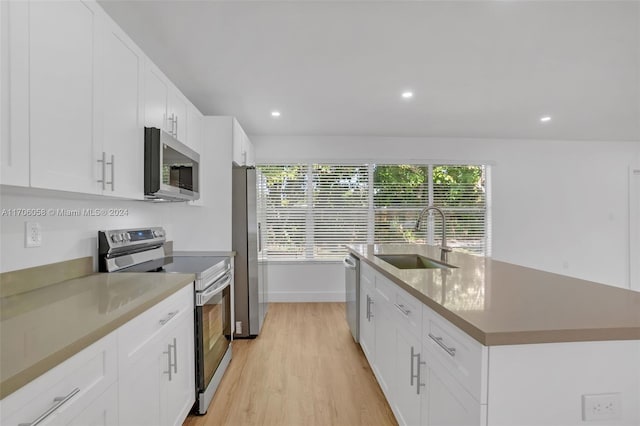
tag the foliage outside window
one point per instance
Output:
(313, 210)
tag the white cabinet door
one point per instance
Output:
(446, 403)
(250, 153)
(156, 91)
(385, 344)
(181, 386)
(122, 134)
(367, 318)
(238, 144)
(14, 79)
(140, 387)
(410, 378)
(178, 106)
(61, 76)
(194, 129)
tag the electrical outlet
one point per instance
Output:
(32, 234)
(604, 406)
(238, 327)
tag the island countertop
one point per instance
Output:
(40, 329)
(499, 303)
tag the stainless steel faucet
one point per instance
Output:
(444, 250)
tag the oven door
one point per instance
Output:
(213, 328)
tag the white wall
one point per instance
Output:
(65, 237)
(205, 227)
(208, 227)
(559, 206)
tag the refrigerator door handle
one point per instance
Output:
(259, 237)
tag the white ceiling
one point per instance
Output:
(484, 69)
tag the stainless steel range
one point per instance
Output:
(142, 250)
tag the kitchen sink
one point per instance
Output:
(412, 261)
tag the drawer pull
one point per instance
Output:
(438, 340)
(402, 309)
(59, 401)
(168, 318)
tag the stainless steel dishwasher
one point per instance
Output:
(352, 289)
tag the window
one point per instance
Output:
(313, 210)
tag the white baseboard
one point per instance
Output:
(306, 296)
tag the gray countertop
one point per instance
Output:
(41, 328)
(499, 303)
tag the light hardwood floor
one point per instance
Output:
(303, 370)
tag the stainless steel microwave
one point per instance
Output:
(171, 169)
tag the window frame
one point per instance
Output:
(371, 208)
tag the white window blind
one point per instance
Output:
(340, 208)
(314, 210)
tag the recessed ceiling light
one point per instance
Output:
(545, 119)
(275, 113)
(407, 95)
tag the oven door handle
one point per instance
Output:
(207, 295)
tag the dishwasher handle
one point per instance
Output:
(349, 263)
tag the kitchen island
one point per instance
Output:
(487, 342)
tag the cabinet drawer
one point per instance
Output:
(367, 275)
(140, 331)
(408, 310)
(463, 357)
(385, 288)
(77, 381)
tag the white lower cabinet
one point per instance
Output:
(422, 386)
(410, 378)
(385, 344)
(71, 392)
(156, 377)
(101, 412)
(367, 314)
(445, 402)
(140, 374)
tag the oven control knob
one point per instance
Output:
(156, 234)
(114, 238)
(127, 236)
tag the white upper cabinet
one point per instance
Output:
(62, 64)
(156, 92)
(165, 107)
(195, 129)
(76, 96)
(14, 89)
(177, 115)
(122, 111)
(243, 154)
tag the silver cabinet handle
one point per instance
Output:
(368, 307)
(169, 365)
(112, 164)
(419, 373)
(103, 160)
(175, 356)
(413, 355)
(175, 120)
(59, 401)
(165, 320)
(447, 349)
(402, 309)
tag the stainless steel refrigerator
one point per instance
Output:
(251, 298)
